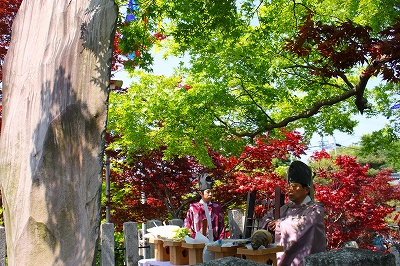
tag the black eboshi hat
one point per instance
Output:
(205, 182)
(299, 172)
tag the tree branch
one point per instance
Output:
(255, 103)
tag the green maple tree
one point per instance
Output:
(258, 66)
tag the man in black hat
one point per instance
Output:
(300, 228)
(214, 215)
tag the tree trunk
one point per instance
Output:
(55, 93)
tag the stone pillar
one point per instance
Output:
(131, 243)
(350, 257)
(107, 245)
(236, 223)
(151, 224)
(55, 92)
(2, 246)
(178, 222)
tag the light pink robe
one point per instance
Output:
(301, 232)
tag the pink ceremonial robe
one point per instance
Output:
(196, 215)
(301, 232)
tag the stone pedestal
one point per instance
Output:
(221, 252)
(178, 255)
(265, 256)
(195, 252)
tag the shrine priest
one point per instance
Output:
(300, 228)
(213, 215)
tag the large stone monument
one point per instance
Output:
(55, 93)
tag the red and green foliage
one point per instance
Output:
(355, 204)
(341, 46)
(255, 169)
(169, 186)
(165, 186)
(118, 59)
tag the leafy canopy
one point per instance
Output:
(255, 67)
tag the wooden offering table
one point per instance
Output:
(261, 255)
(178, 255)
(195, 252)
(161, 253)
(221, 252)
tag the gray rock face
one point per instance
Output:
(230, 261)
(395, 250)
(350, 257)
(55, 93)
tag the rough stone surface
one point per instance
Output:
(55, 93)
(395, 250)
(2, 246)
(131, 243)
(107, 244)
(236, 223)
(178, 222)
(350, 257)
(230, 261)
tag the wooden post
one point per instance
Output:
(279, 199)
(251, 201)
(204, 226)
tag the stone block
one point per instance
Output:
(178, 222)
(236, 223)
(350, 257)
(151, 224)
(230, 261)
(2, 246)
(107, 244)
(395, 250)
(131, 243)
